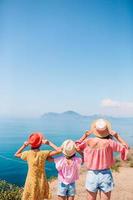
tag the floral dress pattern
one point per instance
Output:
(36, 185)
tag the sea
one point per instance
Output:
(13, 133)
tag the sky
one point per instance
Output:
(59, 55)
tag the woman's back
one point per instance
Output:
(98, 153)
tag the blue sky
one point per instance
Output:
(58, 55)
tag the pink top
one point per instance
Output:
(68, 173)
(98, 153)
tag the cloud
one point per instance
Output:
(117, 108)
(110, 103)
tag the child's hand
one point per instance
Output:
(26, 143)
(45, 141)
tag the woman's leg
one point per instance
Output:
(91, 195)
(105, 196)
(61, 197)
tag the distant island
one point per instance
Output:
(73, 120)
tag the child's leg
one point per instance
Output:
(91, 195)
(62, 197)
(105, 196)
(70, 198)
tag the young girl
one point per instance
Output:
(112, 133)
(98, 157)
(68, 167)
(36, 185)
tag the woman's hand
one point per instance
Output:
(113, 133)
(125, 145)
(117, 136)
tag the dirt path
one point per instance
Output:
(123, 186)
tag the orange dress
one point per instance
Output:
(36, 185)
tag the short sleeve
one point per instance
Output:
(45, 153)
(58, 163)
(78, 160)
(24, 155)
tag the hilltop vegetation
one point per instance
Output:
(9, 191)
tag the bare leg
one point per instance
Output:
(91, 195)
(105, 196)
(99, 194)
(61, 198)
(70, 198)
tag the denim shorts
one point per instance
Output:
(66, 190)
(99, 180)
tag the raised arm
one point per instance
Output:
(53, 153)
(118, 138)
(48, 142)
(19, 152)
(85, 135)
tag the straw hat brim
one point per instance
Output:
(99, 133)
(66, 151)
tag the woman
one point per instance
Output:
(98, 157)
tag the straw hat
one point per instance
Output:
(35, 139)
(102, 127)
(69, 148)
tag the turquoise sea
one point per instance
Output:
(14, 132)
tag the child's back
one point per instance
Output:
(36, 182)
(68, 169)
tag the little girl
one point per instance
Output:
(98, 157)
(68, 167)
(36, 185)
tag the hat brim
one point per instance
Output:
(99, 132)
(68, 155)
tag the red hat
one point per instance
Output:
(35, 139)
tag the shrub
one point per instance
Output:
(116, 166)
(9, 191)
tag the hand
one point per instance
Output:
(45, 141)
(113, 133)
(125, 145)
(77, 142)
(26, 143)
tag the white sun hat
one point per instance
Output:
(69, 148)
(102, 127)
